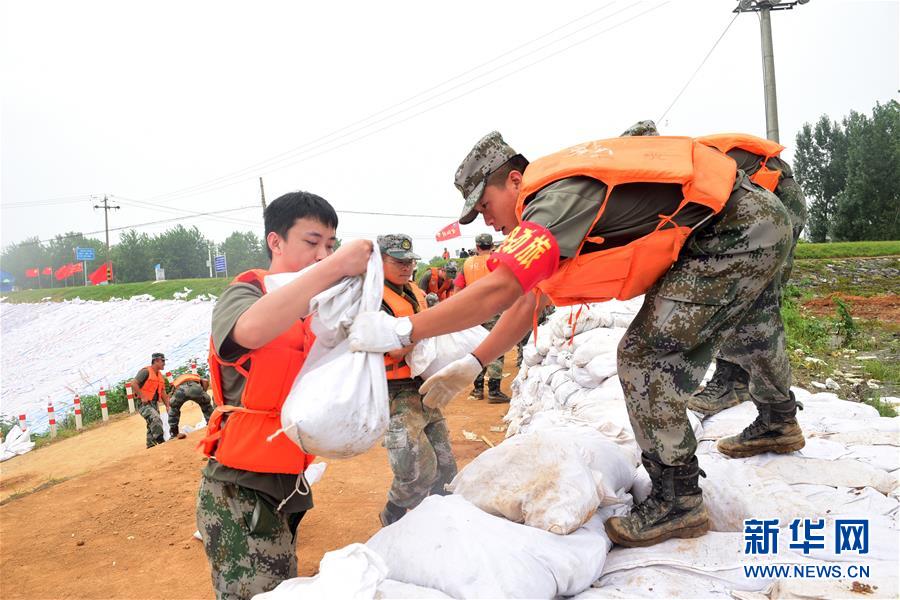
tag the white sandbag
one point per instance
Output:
(656, 582)
(603, 367)
(17, 442)
(390, 589)
(451, 545)
(734, 491)
(433, 354)
(338, 405)
(585, 378)
(552, 479)
(354, 571)
(841, 472)
(530, 355)
(844, 500)
(602, 342)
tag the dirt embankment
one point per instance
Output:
(121, 525)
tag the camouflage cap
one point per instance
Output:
(450, 267)
(485, 157)
(640, 128)
(397, 245)
(484, 240)
(157, 355)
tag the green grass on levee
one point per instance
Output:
(847, 249)
(162, 290)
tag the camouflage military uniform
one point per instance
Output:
(189, 390)
(250, 546)
(494, 369)
(722, 292)
(418, 445)
(150, 412)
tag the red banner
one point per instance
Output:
(31, 273)
(75, 268)
(47, 271)
(449, 232)
(67, 270)
(99, 276)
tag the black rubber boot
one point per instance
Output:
(774, 430)
(674, 508)
(391, 513)
(477, 392)
(727, 388)
(495, 396)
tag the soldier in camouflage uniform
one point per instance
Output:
(149, 406)
(417, 439)
(188, 390)
(484, 247)
(721, 292)
(730, 383)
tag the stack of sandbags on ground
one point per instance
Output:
(17, 442)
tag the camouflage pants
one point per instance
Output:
(721, 292)
(188, 391)
(418, 445)
(150, 412)
(791, 196)
(250, 547)
(494, 369)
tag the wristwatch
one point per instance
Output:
(403, 328)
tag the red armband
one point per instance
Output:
(531, 252)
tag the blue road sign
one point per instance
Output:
(220, 264)
(83, 254)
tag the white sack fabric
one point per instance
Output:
(338, 405)
(433, 354)
(552, 479)
(17, 442)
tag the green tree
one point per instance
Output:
(27, 254)
(869, 206)
(243, 251)
(820, 166)
(182, 252)
(132, 257)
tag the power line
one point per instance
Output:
(697, 70)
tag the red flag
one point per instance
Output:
(449, 232)
(62, 272)
(47, 271)
(99, 276)
(75, 268)
(31, 273)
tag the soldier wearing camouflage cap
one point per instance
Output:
(417, 440)
(475, 268)
(640, 128)
(439, 281)
(610, 219)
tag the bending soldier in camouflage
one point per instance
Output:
(188, 387)
(417, 439)
(724, 277)
(730, 383)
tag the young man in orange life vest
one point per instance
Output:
(417, 439)
(247, 511)
(668, 217)
(439, 281)
(150, 382)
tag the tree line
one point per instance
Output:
(183, 253)
(850, 173)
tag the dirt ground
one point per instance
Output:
(120, 524)
(884, 308)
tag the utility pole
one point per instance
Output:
(262, 195)
(764, 7)
(106, 208)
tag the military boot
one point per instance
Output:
(774, 430)
(391, 513)
(674, 508)
(495, 396)
(727, 388)
(477, 392)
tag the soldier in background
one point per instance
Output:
(150, 382)
(188, 387)
(439, 281)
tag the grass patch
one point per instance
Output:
(804, 332)
(884, 409)
(882, 371)
(162, 290)
(847, 249)
(47, 484)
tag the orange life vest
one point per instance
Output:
(401, 307)
(765, 149)
(240, 442)
(155, 383)
(442, 291)
(475, 268)
(706, 177)
(184, 378)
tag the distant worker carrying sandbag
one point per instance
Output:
(150, 382)
(188, 387)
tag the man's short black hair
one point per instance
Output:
(283, 212)
(498, 177)
(157, 355)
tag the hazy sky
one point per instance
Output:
(179, 107)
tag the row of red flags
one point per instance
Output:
(96, 278)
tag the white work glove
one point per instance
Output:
(440, 388)
(374, 332)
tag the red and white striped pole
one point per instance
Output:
(194, 367)
(129, 395)
(52, 416)
(78, 424)
(104, 411)
(22, 424)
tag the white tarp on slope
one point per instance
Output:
(53, 350)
